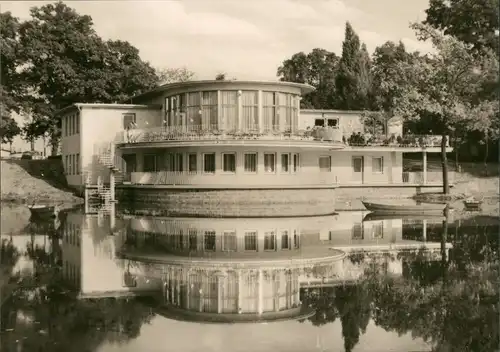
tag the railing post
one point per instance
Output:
(424, 167)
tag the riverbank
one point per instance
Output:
(18, 186)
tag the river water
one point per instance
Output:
(118, 281)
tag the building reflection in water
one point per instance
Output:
(230, 270)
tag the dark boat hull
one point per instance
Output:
(433, 209)
(43, 212)
(385, 216)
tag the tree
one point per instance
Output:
(64, 61)
(471, 21)
(353, 81)
(173, 75)
(220, 76)
(317, 68)
(442, 85)
(8, 129)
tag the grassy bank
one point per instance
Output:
(19, 186)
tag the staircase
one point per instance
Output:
(107, 157)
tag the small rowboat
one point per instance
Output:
(43, 211)
(375, 216)
(408, 209)
(473, 204)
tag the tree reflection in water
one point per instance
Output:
(452, 304)
(54, 318)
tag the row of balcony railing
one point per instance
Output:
(276, 179)
(272, 133)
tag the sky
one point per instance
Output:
(246, 39)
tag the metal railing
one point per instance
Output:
(214, 132)
(408, 141)
(233, 179)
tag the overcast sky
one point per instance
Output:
(247, 39)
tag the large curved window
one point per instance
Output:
(249, 104)
(269, 110)
(193, 115)
(209, 110)
(229, 110)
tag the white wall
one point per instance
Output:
(101, 125)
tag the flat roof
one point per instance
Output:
(106, 106)
(304, 88)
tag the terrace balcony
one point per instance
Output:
(325, 135)
(300, 179)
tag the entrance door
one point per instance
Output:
(358, 166)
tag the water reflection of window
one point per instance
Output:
(193, 239)
(209, 109)
(229, 109)
(193, 109)
(249, 113)
(285, 242)
(296, 239)
(229, 241)
(269, 241)
(210, 240)
(378, 230)
(250, 240)
(357, 232)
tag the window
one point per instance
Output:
(209, 163)
(270, 162)
(378, 230)
(73, 124)
(77, 123)
(149, 163)
(378, 165)
(325, 163)
(249, 110)
(229, 110)
(286, 105)
(357, 163)
(269, 241)
(209, 109)
(285, 162)
(129, 120)
(192, 163)
(70, 166)
(269, 111)
(296, 162)
(250, 240)
(296, 240)
(251, 162)
(319, 122)
(66, 126)
(285, 243)
(229, 241)
(229, 162)
(357, 232)
(193, 239)
(209, 240)
(193, 109)
(333, 123)
(179, 162)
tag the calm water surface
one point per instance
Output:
(350, 282)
